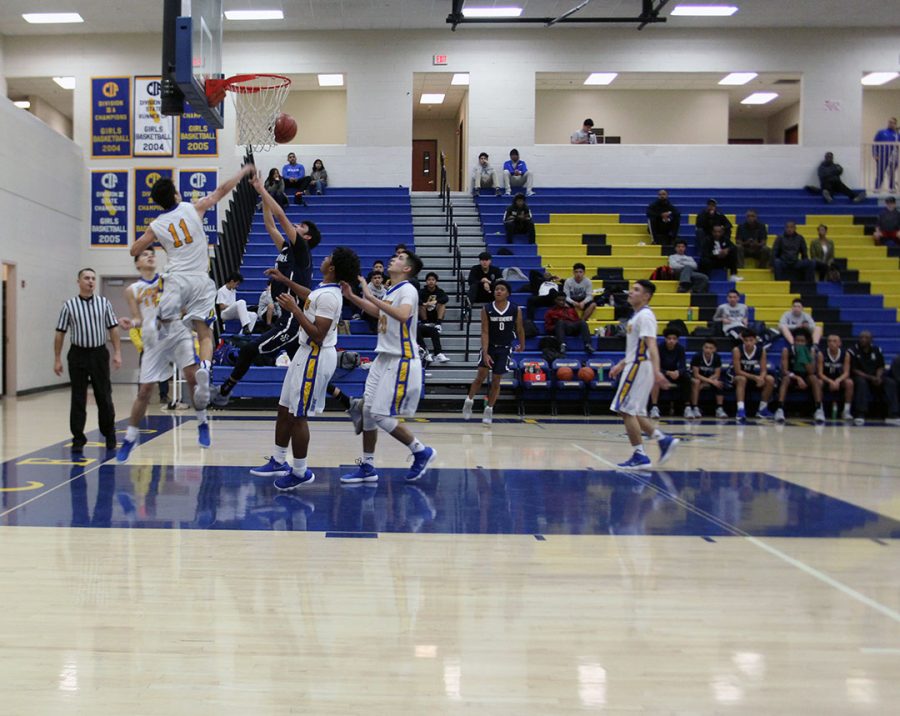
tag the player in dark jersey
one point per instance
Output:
(706, 374)
(749, 368)
(833, 370)
(798, 372)
(499, 321)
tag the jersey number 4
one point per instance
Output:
(176, 240)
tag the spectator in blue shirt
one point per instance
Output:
(516, 174)
(886, 157)
(294, 175)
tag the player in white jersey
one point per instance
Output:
(188, 293)
(394, 383)
(640, 370)
(304, 390)
(156, 359)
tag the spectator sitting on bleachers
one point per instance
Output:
(544, 287)
(870, 378)
(484, 176)
(377, 267)
(230, 307)
(706, 374)
(561, 320)
(584, 135)
(833, 370)
(673, 365)
(274, 184)
(432, 306)
(790, 257)
(750, 369)
(887, 226)
(821, 252)
(579, 292)
(517, 219)
(318, 178)
(378, 289)
(750, 239)
(481, 279)
(830, 182)
(294, 175)
(733, 315)
(710, 218)
(516, 174)
(268, 310)
(719, 252)
(798, 371)
(664, 219)
(685, 268)
(796, 318)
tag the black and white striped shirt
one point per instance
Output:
(89, 318)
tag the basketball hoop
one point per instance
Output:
(257, 102)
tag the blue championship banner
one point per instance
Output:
(153, 132)
(194, 184)
(145, 209)
(195, 137)
(109, 208)
(110, 117)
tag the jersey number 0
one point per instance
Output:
(176, 240)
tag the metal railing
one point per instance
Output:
(880, 167)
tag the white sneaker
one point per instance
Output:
(892, 421)
(467, 409)
(737, 278)
(859, 421)
(427, 358)
(819, 415)
(697, 414)
(441, 358)
(847, 414)
(654, 413)
(201, 390)
(488, 415)
(720, 412)
(688, 413)
(779, 416)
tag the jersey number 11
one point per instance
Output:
(188, 239)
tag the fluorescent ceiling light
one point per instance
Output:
(460, 78)
(601, 78)
(65, 82)
(759, 98)
(431, 99)
(254, 15)
(23, 104)
(704, 10)
(879, 78)
(51, 18)
(738, 78)
(331, 80)
(491, 11)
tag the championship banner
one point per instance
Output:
(109, 208)
(196, 183)
(145, 209)
(153, 133)
(110, 117)
(195, 137)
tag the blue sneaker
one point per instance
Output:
(272, 469)
(636, 462)
(124, 450)
(741, 416)
(666, 448)
(203, 435)
(765, 414)
(365, 472)
(421, 461)
(293, 481)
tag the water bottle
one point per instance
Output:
(834, 411)
(690, 313)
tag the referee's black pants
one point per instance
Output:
(90, 365)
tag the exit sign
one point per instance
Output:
(439, 60)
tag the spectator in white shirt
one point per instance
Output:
(798, 318)
(484, 176)
(267, 309)
(685, 268)
(584, 135)
(230, 307)
(732, 315)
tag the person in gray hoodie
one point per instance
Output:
(685, 268)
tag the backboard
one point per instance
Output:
(191, 54)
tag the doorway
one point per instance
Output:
(792, 134)
(113, 288)
(426, 168)
(8, 331)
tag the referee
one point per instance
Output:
(91, 319)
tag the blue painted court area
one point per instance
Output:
(53, 488)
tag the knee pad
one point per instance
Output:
(368, 419)
(386, 423)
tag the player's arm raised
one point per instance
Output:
(298, 289)
(520, 330)
(203, 204)
(399, 313)
(143, 243)
(272, 210)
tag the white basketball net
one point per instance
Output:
(257, 103)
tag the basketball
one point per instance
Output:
(564, 373)
(285, 128)
(586, 374)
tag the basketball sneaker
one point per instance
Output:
(667, 447)
(765, 414)
(892, 421)
(201, 391)
(488, 415)
(819, 416)
(720, 413)
(421, 461)
(697, 413)
(293, 480)
(356, 414)
(779, 415)
(847, 414)
(688, 412)
(636, 462)
(654, 413)
(859, 421)
(441, 358)
(467, 409)
(125, 450)
(272, 469)
(216, 398)
(365, 472)
(741, 416)
(203, 435)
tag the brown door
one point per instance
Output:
(792, 135)
(426, 166)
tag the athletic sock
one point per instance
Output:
(201, 416)
(740, 405)
(279, 454)
(132, 433)
(300, 466)
(227, 386)
(205, 365)
(657, 434)
(415, 446)
(763, 405)
(369, 458)
(639, 449)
